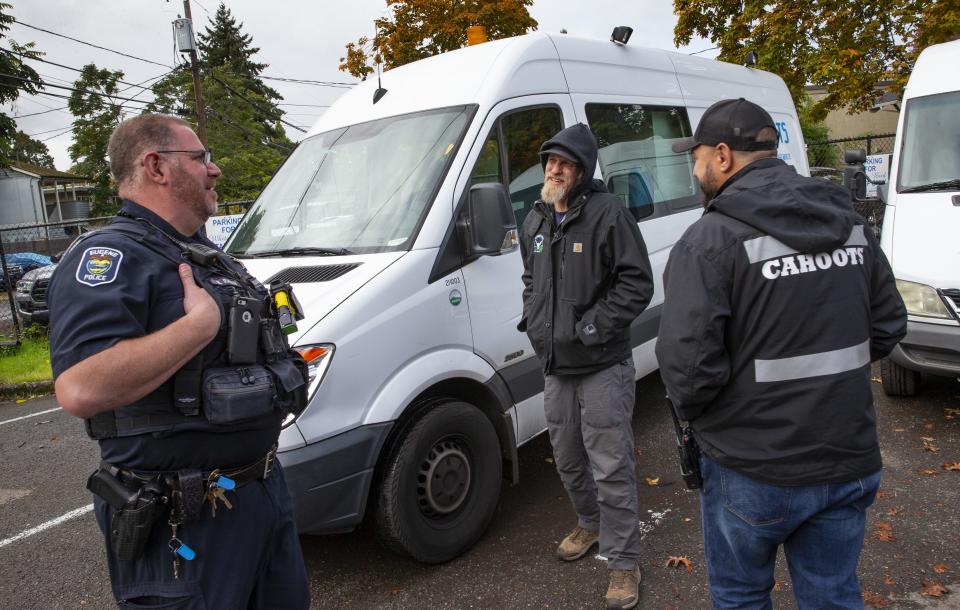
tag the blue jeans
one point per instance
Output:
(821, 528)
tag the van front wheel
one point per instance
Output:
(441, 484)
(898, 380)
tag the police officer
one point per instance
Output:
(171, 353)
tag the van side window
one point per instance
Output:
(637, 162)
(510, 154)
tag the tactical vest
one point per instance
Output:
(210, 392)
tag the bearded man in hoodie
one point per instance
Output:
(776, 302)
(586, 278)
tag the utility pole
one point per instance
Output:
(195, 67)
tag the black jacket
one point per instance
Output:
(586, 280)
(776, 302)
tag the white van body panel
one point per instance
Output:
(397, 319)
(925, 241)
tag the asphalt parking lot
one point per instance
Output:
(52, 552)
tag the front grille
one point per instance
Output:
(39, 292)
(954, 295)
(304, 275)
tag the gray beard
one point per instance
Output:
(552, 194)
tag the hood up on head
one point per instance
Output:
(577, 143)
(809, 215)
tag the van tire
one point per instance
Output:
(898, 380)
(456, 445)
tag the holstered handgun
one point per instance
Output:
(687, 449)
(134, 510)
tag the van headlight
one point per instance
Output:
(922, 300)
(318, 358)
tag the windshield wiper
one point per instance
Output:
(300, 252)
(934, 186)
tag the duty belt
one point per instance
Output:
(256, 471)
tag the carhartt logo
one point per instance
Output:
(538, 244)
(577, 247)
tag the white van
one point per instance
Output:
(395, 220)
(921, 223)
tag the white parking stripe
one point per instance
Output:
(45, 526)
(10, 421)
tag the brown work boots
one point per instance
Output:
(577, 544)
(624, 589)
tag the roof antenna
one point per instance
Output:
(380, 92)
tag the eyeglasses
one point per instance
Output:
(204, 156)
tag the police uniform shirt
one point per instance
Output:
(112, 287)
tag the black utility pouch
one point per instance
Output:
(236, 394)
(292, 375)
(130, 526)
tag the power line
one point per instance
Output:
(703, 51)
(64, 132)
(53, 63)
(45, 84)
(303, 81)
(23, 116)
(265, 112)
(304, 105)
(90, 44)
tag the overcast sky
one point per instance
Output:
(297, 39)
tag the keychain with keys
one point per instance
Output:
(179, 549)
(217, 487)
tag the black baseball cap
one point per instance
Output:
(736, 123)
(557, 149)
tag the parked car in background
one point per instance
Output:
(31, 295)
(19, 263)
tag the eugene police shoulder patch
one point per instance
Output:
(99, 266)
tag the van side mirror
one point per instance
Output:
(491, 228)
(854, 176)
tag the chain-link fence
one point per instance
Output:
(26, 247)
(826, 161)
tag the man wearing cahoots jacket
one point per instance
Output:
(776, 302)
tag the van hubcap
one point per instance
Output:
(443, 480)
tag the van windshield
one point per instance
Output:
(357, 189)
(930, 156)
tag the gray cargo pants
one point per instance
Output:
(589, 419)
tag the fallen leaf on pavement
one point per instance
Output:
(20, 401)
(949, 411)
(929, 472)
(893, 512)
(876, 380)
(888, 580)
(652, 481)
(954, 466)
(874, 599)
(777, 587)
(928, 425)
(932, 588)
(939, 568)
(884, 531)
(899, 429)
(881, 494)
(677, 562)
(928, 444)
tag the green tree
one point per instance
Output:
(12, 70)
(97, 113)
(28, 150)
(849, 48)
(423, 28)
(224, 45)
(243, 119)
